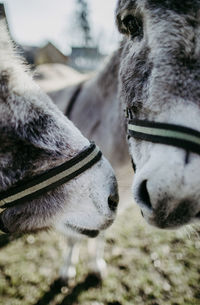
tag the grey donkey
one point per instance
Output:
(159, 81)
(155, 75)
(36, 137)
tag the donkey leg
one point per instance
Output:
(97, 264)
(70, 259)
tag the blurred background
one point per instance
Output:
(146, 266)
(79, 33)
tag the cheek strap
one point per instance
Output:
(39, 185)
(168, 134)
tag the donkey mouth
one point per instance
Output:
(89, 233)
(83, 231)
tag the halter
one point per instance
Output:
(169, 134)
(31, 189)
(73, 100)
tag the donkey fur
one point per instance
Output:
(35, 136)
(156, 75)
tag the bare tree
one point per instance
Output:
(83, 22)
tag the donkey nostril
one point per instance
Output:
(143, 194)
(113, 201)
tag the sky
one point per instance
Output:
(34, 22)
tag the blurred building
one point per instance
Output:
(50, 54)
(85, 59)
(44, 55)
(82, 59)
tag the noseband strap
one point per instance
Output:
(47, 181)
(169, 134)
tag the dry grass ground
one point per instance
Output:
(145, 266)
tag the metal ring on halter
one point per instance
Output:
(29, 190)
(163, 133)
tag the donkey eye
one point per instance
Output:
(132, 25)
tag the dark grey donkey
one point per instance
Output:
(155, 75)
(159, 82)
(35, 138)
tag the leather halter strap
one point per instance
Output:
(169, 134)
(31, 189)
(73, 99)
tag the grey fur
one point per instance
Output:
(35, 136)
(159, 81)
(156, 74)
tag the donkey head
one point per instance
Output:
(35, 137)
(159, 82)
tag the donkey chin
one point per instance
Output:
(183, 213)
(167, 188)
(78, 224)
(178, 218)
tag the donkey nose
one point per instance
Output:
(113, 201)
(143, 195)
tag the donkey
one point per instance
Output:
(154, 73)
(155, 76)
(80, 198)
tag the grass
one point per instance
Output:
(146, 266)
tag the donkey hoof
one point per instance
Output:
(68, 275)
(99, 268)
